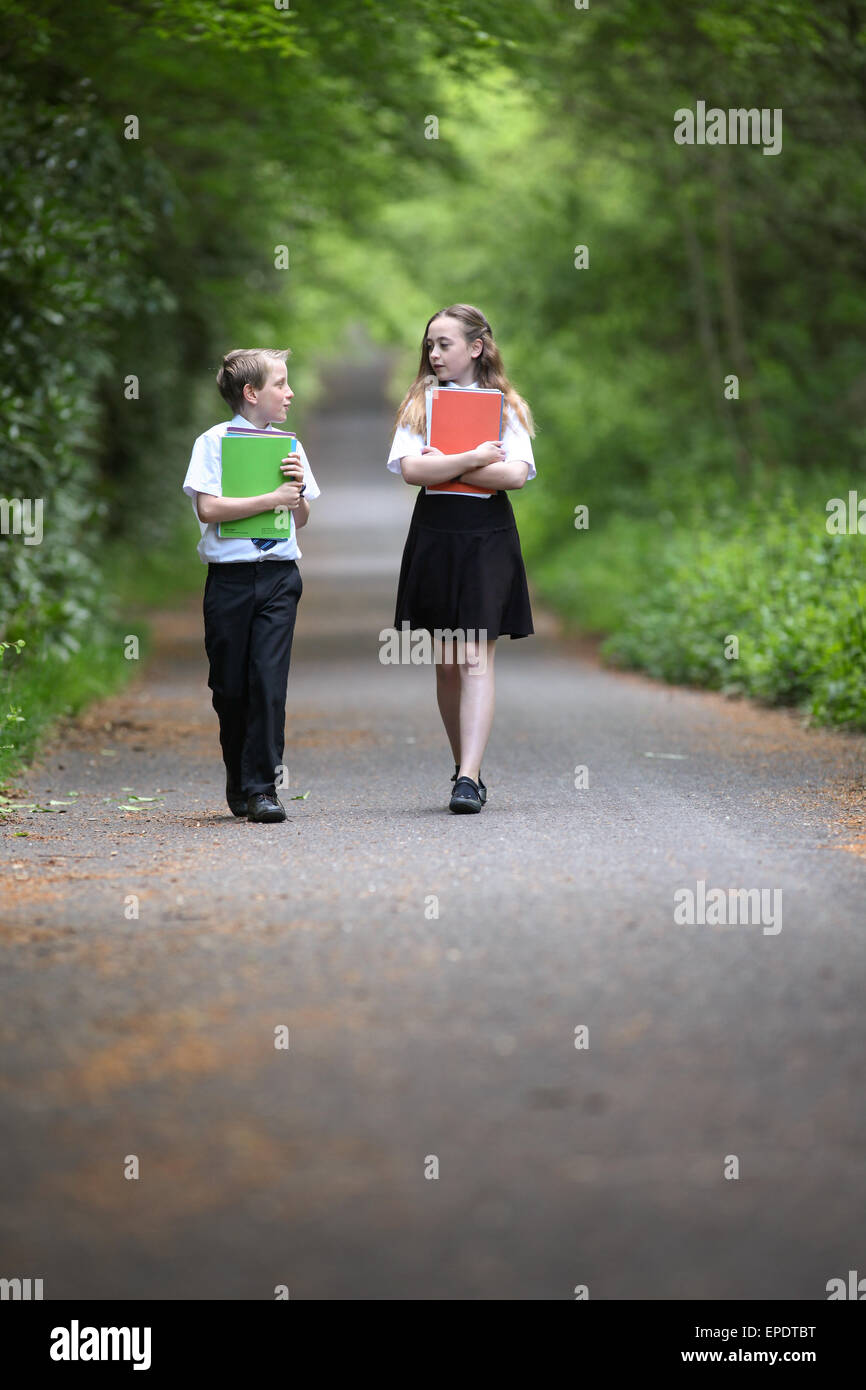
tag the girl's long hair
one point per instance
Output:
(489, 371)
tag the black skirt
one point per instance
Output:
(463, 568)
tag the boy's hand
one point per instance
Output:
(288, 494)
(292, 469)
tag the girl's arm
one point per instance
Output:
(494, 476)
(434, 467)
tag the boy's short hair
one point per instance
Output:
(242, 366)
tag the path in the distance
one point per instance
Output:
(412, 1036)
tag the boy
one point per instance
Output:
(253, 586)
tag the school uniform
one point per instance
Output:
(250, 603)
(462, 564)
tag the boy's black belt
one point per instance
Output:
(245, 564)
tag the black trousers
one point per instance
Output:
(249, 622)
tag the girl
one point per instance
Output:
(462, 566)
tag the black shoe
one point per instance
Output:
(265, 806)
(237, 801)
(465, 797)
(482, 790)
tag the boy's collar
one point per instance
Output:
(248, 424)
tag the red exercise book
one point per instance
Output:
(458, 421)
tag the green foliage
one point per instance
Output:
(763, 569)
(34, 696)
(129, 266)
(305, 127)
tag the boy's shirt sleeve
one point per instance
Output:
(405, 442)
(312, 487)
(204, 473)
(516, 442)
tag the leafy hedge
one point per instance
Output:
(66, 274)
(672, 592)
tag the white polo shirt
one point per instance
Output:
(515, 439)
(205, 475)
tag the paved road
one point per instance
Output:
(415, 1037)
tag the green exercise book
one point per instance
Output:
(251, 466)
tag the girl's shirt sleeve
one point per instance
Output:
(516, 442)
(405, 442)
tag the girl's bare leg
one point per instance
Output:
(477, 701)
(448, 698)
